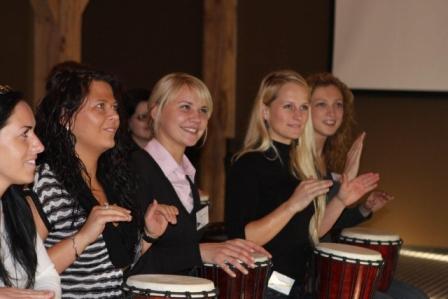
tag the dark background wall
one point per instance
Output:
(16, 44)
(142, 40)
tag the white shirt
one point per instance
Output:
(46, 276)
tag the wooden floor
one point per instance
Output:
(426, 269)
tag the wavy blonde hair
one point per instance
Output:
(167, 88)
(303, 159)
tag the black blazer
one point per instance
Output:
(177, 250)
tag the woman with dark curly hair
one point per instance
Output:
(25, 269)
(85, 212)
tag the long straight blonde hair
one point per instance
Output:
(303, 155)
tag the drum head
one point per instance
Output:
(363, 233)
(170, 283)
(348, 252)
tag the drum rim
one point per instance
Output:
(261, 260)
(349, 260)
(398, 242)
(267, 263)
(149, 292)
(162, 288)
(371, 235)
(372, 256)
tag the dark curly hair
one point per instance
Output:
(20, 231)
(66, 89)
(337, 146)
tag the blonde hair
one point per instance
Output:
(303, 159)
(168, 87)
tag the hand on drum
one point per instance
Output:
(377, 200)
(232, 252)
(352, 190)
(15, 293)
(98, 217)
(306, 191)
(354, 157)
(157, 218)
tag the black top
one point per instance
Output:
(350, 216)
(177, 250)
(256, 185)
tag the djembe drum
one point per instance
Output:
(386, 243)
(345, 272)
(250, 286)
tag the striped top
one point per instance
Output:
(92, 275)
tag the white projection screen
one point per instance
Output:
(392, 44)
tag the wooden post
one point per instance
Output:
(219, 72)
(57, 37)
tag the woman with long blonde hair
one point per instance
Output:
(275, 194)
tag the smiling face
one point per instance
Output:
(327, 110)
(19, 147)
(96, 122)
(181, 122)
(287, 115)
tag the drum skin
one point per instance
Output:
(160, 286)
(342, 277)
(388, 245)
(250, 286)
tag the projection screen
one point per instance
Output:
(392, 44)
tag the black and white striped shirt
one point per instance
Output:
(92, 275)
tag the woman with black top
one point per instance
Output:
(274, 180)
(180, 106)
(84, 193)
(25, 269)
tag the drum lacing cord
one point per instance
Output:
(167, 294)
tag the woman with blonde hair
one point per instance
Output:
(180, 106)
(274, 179)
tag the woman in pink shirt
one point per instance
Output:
(180, 106)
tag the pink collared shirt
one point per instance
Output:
(176, 173)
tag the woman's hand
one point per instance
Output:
(232, 252)
(352, 190)
(376, 201)
(354, 157)
(15, 293)
(306, 191)
(98, 217)
(157, 217)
